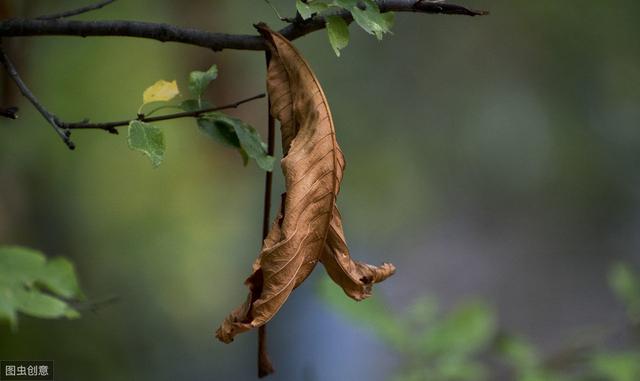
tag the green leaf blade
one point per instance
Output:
(200, 80)
(372, 20)
(309, 8)
(338, 32)
(236, 133)
(147, 139)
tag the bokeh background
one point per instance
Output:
(491, 158)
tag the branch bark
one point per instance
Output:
(215, 41)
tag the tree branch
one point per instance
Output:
(77, 11)
(13, 73)
(210, 40)
(111, 126)
(265, 367)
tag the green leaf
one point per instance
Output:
(220, 130)
(617, 366)
(25, 274)
(147, 139)
(371, 20)
(238, 134)
(199, 80)
(466, 330)
(312, 6)
(338, 32)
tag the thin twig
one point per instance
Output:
(111, 126)
(265, 367)
(210, 40)
(275, 10)
(13, 73)
(94, 306)
(75, 12)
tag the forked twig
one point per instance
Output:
(13, 73)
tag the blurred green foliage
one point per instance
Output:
(626, 285)
(35, 286)
(466, 343)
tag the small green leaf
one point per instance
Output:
(199, 80)
(371, 20)
(147, 139)
(236, 133)
(338, 32)
(307, 9)
(160, 91)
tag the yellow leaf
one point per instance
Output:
(160, 91)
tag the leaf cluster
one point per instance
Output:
(232, 132)
(365, 13)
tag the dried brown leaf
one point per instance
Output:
(309, 227)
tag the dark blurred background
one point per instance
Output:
(493, 158)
